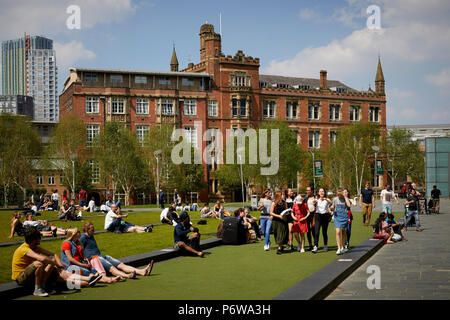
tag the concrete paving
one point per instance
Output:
(416, 269)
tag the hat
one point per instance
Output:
(183, 216)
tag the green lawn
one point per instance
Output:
(117, 245)
(228, 272)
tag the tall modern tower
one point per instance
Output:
(29, 68)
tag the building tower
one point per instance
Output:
(174, 61)
(379, 80)
(210, 43)
(29, 68)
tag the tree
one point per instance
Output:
(68, 143)
(121, 159)
(403, 156)
(351, 153)
(19, 146)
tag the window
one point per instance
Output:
(91, 131)
(269, 109)
(91, 105)
(291, 110)
(95, 171)
(141, 131)
(117, 106)
(239, 79)
(374, 114)
(187, 82)
(165, 107)
(212, 108)
(38, 179)
(333, 136)
(164, 80)
(140, 79)
(190, 134)
(116, 78)
(314, 139)
(313, 111)
(61, 179)
(51, 179)
(239, 107)
(334, 112)
(141, 106)
(190, 107)
(90, 77)
(354, 113)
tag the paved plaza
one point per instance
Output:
(416, 269)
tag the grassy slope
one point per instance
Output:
(229, 272)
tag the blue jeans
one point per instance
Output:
(265, 224)
(115, 225)
(82, 271)
(349, 233)
(387, 208)
(108, 262)
(411, 213)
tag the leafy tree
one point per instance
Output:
(19, 146)
(68, 143)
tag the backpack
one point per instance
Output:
(251, 236)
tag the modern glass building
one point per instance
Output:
(437, 164)
(29, 68)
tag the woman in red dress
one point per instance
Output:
(300, 227)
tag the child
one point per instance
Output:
(300, 209)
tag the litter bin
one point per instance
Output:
(254, 202)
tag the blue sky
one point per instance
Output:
(294, 38)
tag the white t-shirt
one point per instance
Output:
(34, 208)
(322, 206)
(109, 218)
(54, 196)
(104, 207)
(164, 214)
(311, 206)
(31, 223)
(387, 196)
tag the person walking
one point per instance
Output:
(265, 220)
(412, 201)
(290, 200)
(435, 194)
(300, 209)
(350, 218)
(322, 218)
(386, 197)
(162, 198)
(279, 223)
(340, 202)
(367, 202)
(311, 202)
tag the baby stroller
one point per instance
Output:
(430, 206)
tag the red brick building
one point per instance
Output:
(222, 92)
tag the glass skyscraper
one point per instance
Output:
(29, 68)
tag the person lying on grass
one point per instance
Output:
(114, 222)
(110, 264)
(191, 244)
(46, 229)
(35, 266)
(74, 260)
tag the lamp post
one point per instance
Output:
(239, 151)
(375, 149)
(314, 173)
(72, 158)
(156, 154)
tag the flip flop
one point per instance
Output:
(149, 268)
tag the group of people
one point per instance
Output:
(81, 263)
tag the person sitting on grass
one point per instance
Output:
(110, 264)
(46, 229)
(169, 215)
(17, 226)
(35, 266)
(381, 229)
(114, 222)
(191, 244)
(240, 215)
(219, 209)
(253, 222)
(206, 212)
(74, 261)
(47, 206)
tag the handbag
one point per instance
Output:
(97, 265)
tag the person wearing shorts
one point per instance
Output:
(110, 264)
(189, 244)
(386, 196)
(435, 193)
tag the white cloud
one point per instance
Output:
(442, 79)
(308, 14)
(68, 53)
(49, 17)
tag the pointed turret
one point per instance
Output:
(174, 61)
(379, 79)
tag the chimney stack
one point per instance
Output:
(323, 79)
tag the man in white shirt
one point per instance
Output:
(92, 207)
(169, 215)
(386, 197)
(114, 222)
